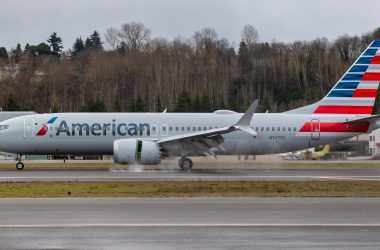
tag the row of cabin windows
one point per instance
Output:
(257, 129)
(182, 129)
(274, 129)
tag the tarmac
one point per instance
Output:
(194, 175)
(190, 223)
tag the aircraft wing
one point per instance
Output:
(204, 142)
(366, 119)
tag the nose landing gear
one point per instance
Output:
(19, 163)
(185, 164)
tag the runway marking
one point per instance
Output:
(187, 178)
(353, 178)
(185, 225)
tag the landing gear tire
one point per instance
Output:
(185, 164)
(19, 165)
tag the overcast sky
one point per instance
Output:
(32, 21)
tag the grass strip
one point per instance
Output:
(192, 189)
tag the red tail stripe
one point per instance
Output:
(376, 60)
(365, 93)
(335, 109)
(371, 76)
(338, 127)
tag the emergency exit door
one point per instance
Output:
(315, 129)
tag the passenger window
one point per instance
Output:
(204, 128)
(262, 128)
(188, 128)
(295, 129)
(170, 128)
(283, 129)
(273, 129)
(194, 129)
(163, 128)
(279, 129)
(4, 127)
(267, 128)
(183, 128)
(289, 129)
(209, 127)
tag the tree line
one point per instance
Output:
(140, 73)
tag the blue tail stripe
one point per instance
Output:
(341, 93)
(347, 85)
(370, 52)
(364, 60)
(376, 43)
(353, 77)
(359, 68)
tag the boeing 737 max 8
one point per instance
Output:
(146, 138)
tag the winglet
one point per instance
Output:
(245, 120)
(244, 123)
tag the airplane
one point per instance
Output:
(146, 138)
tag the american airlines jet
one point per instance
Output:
(146, 138)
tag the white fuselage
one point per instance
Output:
(95, 133)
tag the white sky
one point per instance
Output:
(32, 21)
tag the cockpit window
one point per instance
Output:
(4, 127)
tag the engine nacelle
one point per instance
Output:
(136, 151)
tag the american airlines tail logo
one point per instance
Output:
(44, 129)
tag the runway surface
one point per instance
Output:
(199, 223)
(195, 175)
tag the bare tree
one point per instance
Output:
(249, 35)
(112, 37)
(135, 35)
(205, 37)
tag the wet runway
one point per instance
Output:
(195, 175)
(197, 223)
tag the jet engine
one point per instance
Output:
(136, 151)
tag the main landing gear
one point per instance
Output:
(185, 164)
(19, 163)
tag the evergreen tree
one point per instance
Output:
(56, 44)
(17, 53)
(234, 95)
(12, 104)
(78, 46)
(97, 106)
(183, 102)
(88, 43)
(245, 64)
(122, 48)
(137, 105)
(116, 106)
(27, 48)
(3, 53)
(42, 49)
(158, 105)
(205, 104)
(196, 105)
(96, 41)
(376, 34)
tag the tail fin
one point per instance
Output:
(356, 91)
